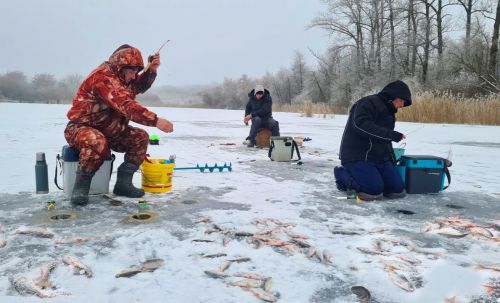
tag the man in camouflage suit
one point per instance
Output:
(99, 120)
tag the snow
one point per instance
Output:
(256, 188)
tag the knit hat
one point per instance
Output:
(259, 88)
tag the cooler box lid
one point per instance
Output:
(422, 161)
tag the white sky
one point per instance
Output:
(210, 40)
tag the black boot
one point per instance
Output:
(124, 186)
(80, 194)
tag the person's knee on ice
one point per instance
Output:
(369, 133)
(344, 180)
(375, 188)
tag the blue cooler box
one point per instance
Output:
(423, 174)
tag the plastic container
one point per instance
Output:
(70, 162)
(157, 176)
(398, 152)
(282, 149)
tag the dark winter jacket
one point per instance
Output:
(259, 108)
(370, 126)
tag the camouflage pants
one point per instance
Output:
(95, 147)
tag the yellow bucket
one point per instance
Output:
(156, 176)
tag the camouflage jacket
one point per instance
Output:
(106, 103)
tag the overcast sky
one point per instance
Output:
(210, 39)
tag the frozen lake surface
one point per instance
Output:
(281, 201)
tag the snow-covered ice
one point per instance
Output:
(304, 195)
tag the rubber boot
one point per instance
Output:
(124, 186)
(80, 194)
(368, 197)
(400, 195)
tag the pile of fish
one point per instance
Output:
(42, 286)
(271, 232)
(455, 227)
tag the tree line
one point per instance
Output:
(43, 87)
(434, 45)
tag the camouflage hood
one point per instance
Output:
(124, 56)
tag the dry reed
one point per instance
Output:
(308, 109)
(445, 108)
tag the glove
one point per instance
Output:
(396, 136)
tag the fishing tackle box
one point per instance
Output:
(424, 174)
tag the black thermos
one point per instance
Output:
(41, 174)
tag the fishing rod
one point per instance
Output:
(416, 129)
(151, 57)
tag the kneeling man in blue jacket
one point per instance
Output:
(366, 153)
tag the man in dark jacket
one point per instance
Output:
(366, 154)
(259, 110)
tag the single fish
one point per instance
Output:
(128, 272)
(76, 240)
(78, 266)
(151, 265)
(494, 267)
(224, 265)
(45, 272)
(346, 232)
(257, 221)
(253, 276)
(2, 242)
(36, 232)
(218, 255)
(489, 288)
(401, 281)
(249, 283)
(297, 235)
(225, 241)
(362, 293)
(240, 259)
(27, 287)
(202, 219)
(449, 232)
(268, 284)
(377, 230)
(398, 265)
(262, 294)
(481, 231)
(300, 242)
(412, 261)
(215, 274)
(243, 234)
(371, 252)
(203, 240)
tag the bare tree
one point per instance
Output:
(492, 67)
